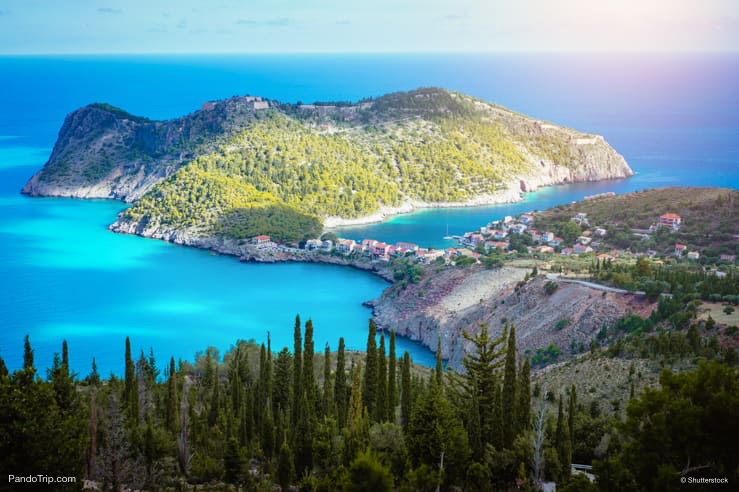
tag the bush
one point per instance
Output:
(550, 287)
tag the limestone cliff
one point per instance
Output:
(454, 300)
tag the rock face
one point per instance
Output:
(105, 152)
(457, 300)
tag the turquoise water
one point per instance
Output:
(64, 276)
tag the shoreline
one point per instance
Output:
(509, 195)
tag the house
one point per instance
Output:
(583, 240)
(475, 239)
(567, 251)
(507, 219)
(260, 239)
(368, 243)
(495, 244)
(408, 246)
(670, 220)
(391, 250)
(581, 249)
(499, 234)
(680, 249)
(651, 253)
(556, 241)
(545, 249)
(580, 219)
(547, 236)
(725, 257)
(451, 252)
(600, 232)
(379, 249)
(312, 244)
(358, 248)
(425, 256)
(345, 246)
(693, 255)
(605, 257)
(526, 219)
(327, 245)
(518, 228)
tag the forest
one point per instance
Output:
(255, 419)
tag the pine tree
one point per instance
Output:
(523, 397)
(482, 365)
(571, 417)
(497, 422)
(405, 390)
(369, 386)
(392, 392)
(215, 400)
(94, 377)
(172, 420)
(3, 369)
(509, 391)
(381, 403)
(28, 374)
(340, 390)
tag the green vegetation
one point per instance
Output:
(120, 113)
(429, 144)
(710, 218)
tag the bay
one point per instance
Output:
(675, 118)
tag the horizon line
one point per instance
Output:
(369, 52)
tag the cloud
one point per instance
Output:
(109, 10)
(276, 22)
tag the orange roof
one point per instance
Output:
(680, 246)
(669, 216)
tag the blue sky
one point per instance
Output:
(258, 26)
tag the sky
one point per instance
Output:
(295, 26)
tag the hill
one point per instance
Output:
(238, 165)
(709, 219)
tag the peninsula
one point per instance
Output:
(246, 166)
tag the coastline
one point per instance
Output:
(510, 195)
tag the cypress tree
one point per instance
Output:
(369, 387)
(297, 370)
(94, 377)
(523, 396)
(308, 376)
(328, 397)
(405, 390)
(285, 470)
(281, 387)
(392, 392)
(28, 355)
(509, 391)
(3, 369)
(340, 391)
(357, 428)
(172, 420)
(130, 387)
(381, 403)
(497, 423)
(562, 441)
(571, 417)
(65, 356)
(215, 400)
(438, 377)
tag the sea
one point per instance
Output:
(64, 276)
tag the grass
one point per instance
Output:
(716, 311)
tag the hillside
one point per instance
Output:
(551, 325)
(238, 165)
(709, 219)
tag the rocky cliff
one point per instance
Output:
(454, 300)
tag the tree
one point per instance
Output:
(381, 403)
(688, 427)
(392, 392)
(356, 434)
(523, 406)
(366, 474)
(481, 381)
(509, 391)
(340, 389)
(405, 390)
(130, 389)
(369, 387)
(172, 421)
(297, 370)
(328, 394)
(285, 470)
(434, 430)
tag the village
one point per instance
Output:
(494, 238)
